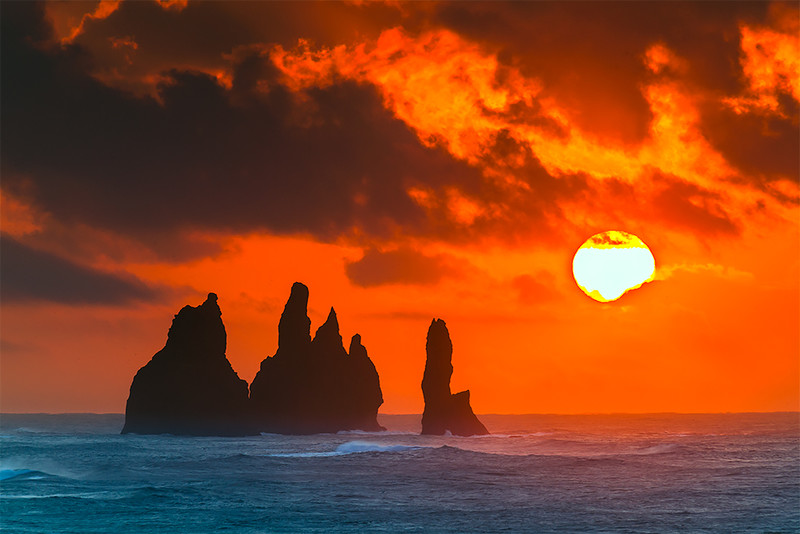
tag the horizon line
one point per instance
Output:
(479, 414)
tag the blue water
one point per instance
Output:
(537, 473)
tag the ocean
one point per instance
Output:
(721, 473)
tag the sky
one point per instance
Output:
(405, 161)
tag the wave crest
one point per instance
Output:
(8, 474)
(350, 447)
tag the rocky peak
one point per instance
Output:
(189, 386)
(356, 348)
(294, 328)
(198, 332)
(328, 334)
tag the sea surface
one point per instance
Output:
(726, 473)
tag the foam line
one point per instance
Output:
(350, 447)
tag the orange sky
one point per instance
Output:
(406, 161)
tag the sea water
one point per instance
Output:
(721, 473)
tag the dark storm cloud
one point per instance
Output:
(594, 65)
(140, 39)
(251, 156)
(200, 158)
(204, 30)
(590, 54)
(674, 204)
(685, 205)
(32, 275)
(401, 266)
(762, 146)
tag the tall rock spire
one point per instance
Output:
(294, 328)
(444, 411)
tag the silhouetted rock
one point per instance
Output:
(313, 386)
(444, 411)
(189, 387)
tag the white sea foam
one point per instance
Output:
(351, 447)
(515, 435)
(367, 446)
(376, 433)
(656, 449)
(13, 467)
(93, 495)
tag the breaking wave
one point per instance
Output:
(6, 474)
(351, 447)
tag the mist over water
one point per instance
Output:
(535, 473)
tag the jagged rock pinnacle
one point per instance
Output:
(313, 386)
(443, 410)
(294, 328)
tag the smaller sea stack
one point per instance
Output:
(445, 411)
(189, 386)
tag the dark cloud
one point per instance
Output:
(764, 146)
(29, 25)
(252, 155)
(401, 266)
(681, 204)
(201, 159)
(78, 242)
(590, 54)
(203, 33)
(672, 204)
(330, 162)
(27, 275)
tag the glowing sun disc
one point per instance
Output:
(610, 264)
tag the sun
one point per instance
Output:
(611, 263)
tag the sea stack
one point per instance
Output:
(314, 386)
(189, 387)
(444, 411)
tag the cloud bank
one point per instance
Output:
(454, 122)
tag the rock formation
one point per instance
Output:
(313, 386)
(444, 411)
(189, 387)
